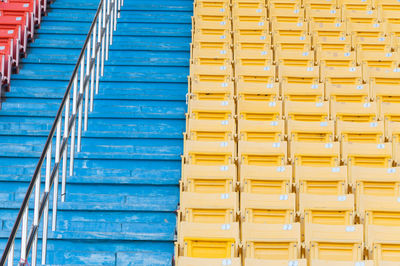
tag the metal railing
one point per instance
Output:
(84, 83)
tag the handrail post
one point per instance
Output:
(98, 39)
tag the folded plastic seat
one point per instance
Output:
(342, 263)
(188, 261)
(268, 208)
(364, 132)
(207, 240)
(354, 111)
(376, 182)
(383, 244)
(209, 179)
(265, 179)
(217, 208)
(367, 154)
(334, 242)
(22, 10)
(211, 86)
(13, 35)
(37, 7)
(316, 154)
(212, 7)
(210, 130)
(209, 152)
(262, 153)
(300, 84)
(322, 11)
(310, 131)
(295, 58)
(261, 262)
(307, 111)
(378, 211)
(342, 77)
(206, 49)
(261, 131)
(326, 209)
(259, 110)
(330, 36)
(255, 79)
(17, 24)
(6, 53)
(211, 34)
(375, 62)
(321, 180)
(272, 242)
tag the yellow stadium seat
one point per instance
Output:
(375, 182)
(379, 211)
(294, 58)
(385, 83)
(326, 209)
(250, 19)
(266, 179)
(322, 11)
(217, 7)
(301, 84)
(368, 132)
(210, 130)
(334, 242)
(187, 261)
(211, 110)
(262, 153)
(393, 25)
(259, 110)
(341, 263)
(310, 131)
(390, 111)
(209, 152)
(208, 86)
(211, 49)
(342, 77)
(260, 262)
(285, 5)
(354, 112)
(375, 62)
(392, 131)
(315, 154)
(216, 208)
(307, 111)
(211, 34)
(255, 77)
(212, 66)
(286, 23)
(325, 32)
(205, 240)
(255, 6)
(367, 154)
(370, 37)
(383, 244)
(356, 4)
(389, 10)
(206, 21)
(321, 180)
(296, 43)
(209, 179)
(261, 131)
(268, 209)
(272, 242)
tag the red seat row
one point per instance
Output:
(18, 19)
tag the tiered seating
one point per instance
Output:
(18, 20)
(316, 85)
(208, 232)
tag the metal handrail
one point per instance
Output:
(89, 67)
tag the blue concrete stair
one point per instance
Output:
(122, 197)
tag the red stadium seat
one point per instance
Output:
(19, 10)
